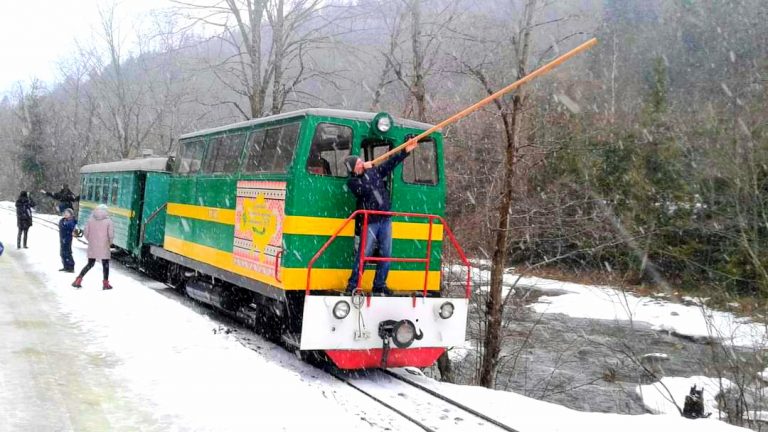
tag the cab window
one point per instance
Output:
(421, 166)
(330, 145)
(224, 154)
(271, 149)
(191, 155)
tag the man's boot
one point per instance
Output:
(77, 282)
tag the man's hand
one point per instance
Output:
(368, 165)
(409, 148)
(42, 191)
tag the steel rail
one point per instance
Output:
(450, 401)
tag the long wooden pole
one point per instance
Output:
(469, 110)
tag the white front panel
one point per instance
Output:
(322, 331)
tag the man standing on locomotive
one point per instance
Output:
(367, 183)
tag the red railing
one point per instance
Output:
(363, 239)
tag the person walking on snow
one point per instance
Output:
(100, 232)
(368, 184)
(24, 207)
(67, 226)
(66, 197)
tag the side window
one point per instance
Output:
(115, 190)
(272, 149)
(224, 154)
(255, 142)
(97, 190)
(330, 145)
(105, 191)
(90, 188)
(83, 188)
(279, 144)
(420, 167)
(190, 157)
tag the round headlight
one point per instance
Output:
(341, 309)
(404, 334)
(383, 124)
(446, 310)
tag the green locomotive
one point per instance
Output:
(254, 218)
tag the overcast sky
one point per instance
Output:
(36, 34)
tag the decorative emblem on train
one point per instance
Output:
(259, 221)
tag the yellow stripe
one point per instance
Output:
(112, 210)
(308, 225)
(214, 257)
(296, 278)
(210, 214)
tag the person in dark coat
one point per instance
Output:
(100, 233)
(367, 183)
(67, 226)
(65, 196)
(24, 207)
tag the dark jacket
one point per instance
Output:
(66, 228)
(371, 190)
(24, 207)
(66, 198)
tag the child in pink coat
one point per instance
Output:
(100, 232)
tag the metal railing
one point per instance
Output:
(363, 239)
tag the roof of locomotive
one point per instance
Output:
(140, 164)
(324, 112)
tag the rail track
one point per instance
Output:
(425, 408)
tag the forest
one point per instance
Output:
(643, 162)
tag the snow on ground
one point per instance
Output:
(526, 414)
(667, 396)
(165, 356)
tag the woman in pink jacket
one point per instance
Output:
(100, 233)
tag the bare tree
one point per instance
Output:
(269, 48)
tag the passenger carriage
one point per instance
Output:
(257, 221)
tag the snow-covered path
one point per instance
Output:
(134, 359)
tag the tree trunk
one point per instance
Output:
(278, 44)
(511, 119)
(418, 89)
(494, 310)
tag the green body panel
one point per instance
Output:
(153, 211)
(309, 195)
(211, 234)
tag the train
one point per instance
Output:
(254, 218)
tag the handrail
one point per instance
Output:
(363, 239)
(152, 216)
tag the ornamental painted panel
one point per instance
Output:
(259, 217)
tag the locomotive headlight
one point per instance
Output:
(341, 309)
(381, 123)
(404, 334)
(446, 310)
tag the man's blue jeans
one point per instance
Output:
(379, 234)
